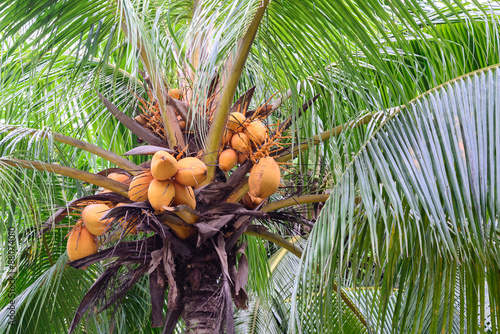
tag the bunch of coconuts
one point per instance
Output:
(240, 138)
(173, 93)
(168, 183)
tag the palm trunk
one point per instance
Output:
(203, 303)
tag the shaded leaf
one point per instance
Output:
(157, 289)
(131, 124)
(242, 103)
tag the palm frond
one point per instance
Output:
(426, 224)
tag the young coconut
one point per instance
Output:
(251, 202)
(92, 215)
(228, 159)
(175, 93)
(161, 193)
(138, 189)
(241, 158)
(191, 172)
(236, 121)
(264, 178)
(241, 143)
(163, 166)
(184, 195)
(182, 124)
(257, 132)
(226, 138)
(81, 243)
(119, 177)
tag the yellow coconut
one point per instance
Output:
(241, 158)
(264, 178)
(161, 193)
(236, 121)
(120, 177)
(191, 172)
(228, 159)
(92, 215)
(175, 93)
(241, 143)
(226, 138)
(81, 243)
(257, 132)
(138, 189)
(184, 195)
(163, 166)
(182, 124)
(251, 202)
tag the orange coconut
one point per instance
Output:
(241, 158)
(191, 172)
(182, 123)
(236, 121)
(184, 195)
(226, 138)
(257, 132)
(264, 178)
(161, 193)
(81, 243)
(228, 159)
(138, 189)
(92, 215)
(163, 166)
(175, 93)
(240, 142)
(120, 177)
(251, 202)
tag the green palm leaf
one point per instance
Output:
(359, 55)
(424, 234)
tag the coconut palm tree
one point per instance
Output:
(386, 112)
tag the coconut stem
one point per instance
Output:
(295, 200)
(263, 233)
(319, 138)
(98, 180)
(105, 154)
(227, 95)
(277, 103)
(238, 194)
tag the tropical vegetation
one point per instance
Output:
(384, 120)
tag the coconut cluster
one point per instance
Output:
(167, 183)
(152, 118)
(241, 137)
